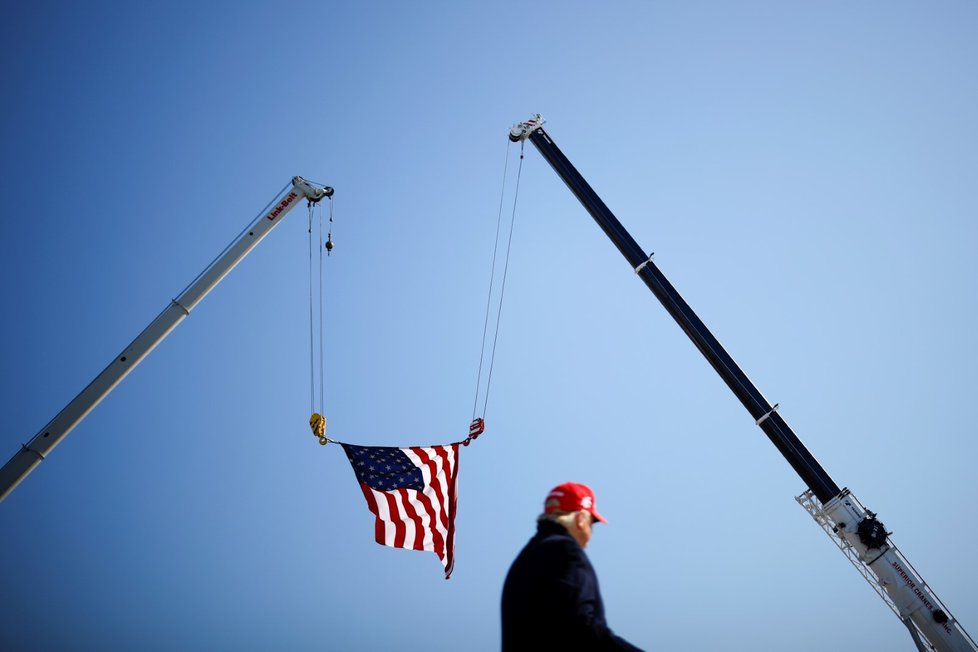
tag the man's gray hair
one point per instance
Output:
(563, 518)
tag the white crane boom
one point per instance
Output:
(36, 451)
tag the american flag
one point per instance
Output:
(412, 494)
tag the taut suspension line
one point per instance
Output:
(477, 419)
(317, 422)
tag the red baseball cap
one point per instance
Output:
(572, 497)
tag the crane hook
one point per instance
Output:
(318, 424)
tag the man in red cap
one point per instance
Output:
(551, 598)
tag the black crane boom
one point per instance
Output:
(764, 414)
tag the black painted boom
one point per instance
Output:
(767, 417)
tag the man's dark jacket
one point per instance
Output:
(551, 598)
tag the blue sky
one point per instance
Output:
(805, 173)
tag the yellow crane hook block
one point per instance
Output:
(318, 424)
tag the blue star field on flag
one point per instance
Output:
(384, 468)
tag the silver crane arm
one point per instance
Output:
(36, 451)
